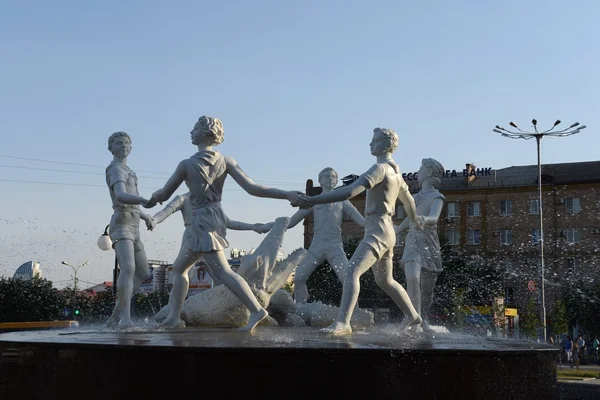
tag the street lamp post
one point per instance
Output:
(104, 243)
(537, 135)
(75, 269)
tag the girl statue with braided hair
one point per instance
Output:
(422, 257)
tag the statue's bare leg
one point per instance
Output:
(238, 286)
(428, 279)
(181, 283)
(382, 271)
(361, 261)
(412, 270)
(305, 269)
(125, 257)
(339, 264)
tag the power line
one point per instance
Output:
(71, 163)
(68, 171)
(283, 183)
(91, 185)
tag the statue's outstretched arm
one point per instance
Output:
(170, 187)
(340, 194)
(255, 189)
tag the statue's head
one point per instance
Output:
(119, 144)
(328, 178)
(384, 141)
(431, 170)
(208, 131)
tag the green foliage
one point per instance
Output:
(36, 300)
(29, 300)
(462, 284)
(582, 303)
(559, 318)
(529, 320)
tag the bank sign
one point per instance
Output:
(452, 173)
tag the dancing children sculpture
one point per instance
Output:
(124, 228)
(327, 243)
(384, 184)
(205, 173)
(422, 255)
(183, 204)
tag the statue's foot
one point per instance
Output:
(125, 323)
(426, 328)
(254, 320)
(172, 323)
(112, 322)
(409, 322)
(338, 329)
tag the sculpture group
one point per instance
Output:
(242, 298)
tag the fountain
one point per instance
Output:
(208, 356)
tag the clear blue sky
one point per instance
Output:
(298, 85)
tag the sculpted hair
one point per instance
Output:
(326, 170)
(212, 129)
(111, 138)
(436, 170)
(391, 136)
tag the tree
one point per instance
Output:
(560, 320)
(582, 303)
(529, 320)
(24, 300)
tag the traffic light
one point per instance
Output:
(76, 312)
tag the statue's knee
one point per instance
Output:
(384, 283)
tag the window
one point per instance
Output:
(453, 210)
(535, 236)
(572, 205)
(400, 211)
(506, 236)
(534, 207)
(509, 295)
(473, 236)
(473, 209)
(505, 207)
(572, 265)
(453, 237)
(573, 235)
(398, 240)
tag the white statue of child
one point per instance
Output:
(205, 174)
(124, 228)
(422, 255)
(384, 184)
(326, 243)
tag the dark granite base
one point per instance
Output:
(273, 363)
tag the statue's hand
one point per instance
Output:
(294, 198)
(259, 228)
(420, 221)
(150, 224)
(304, 201)
(148, 203)
(268, 227)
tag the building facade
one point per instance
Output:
(492, 217)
